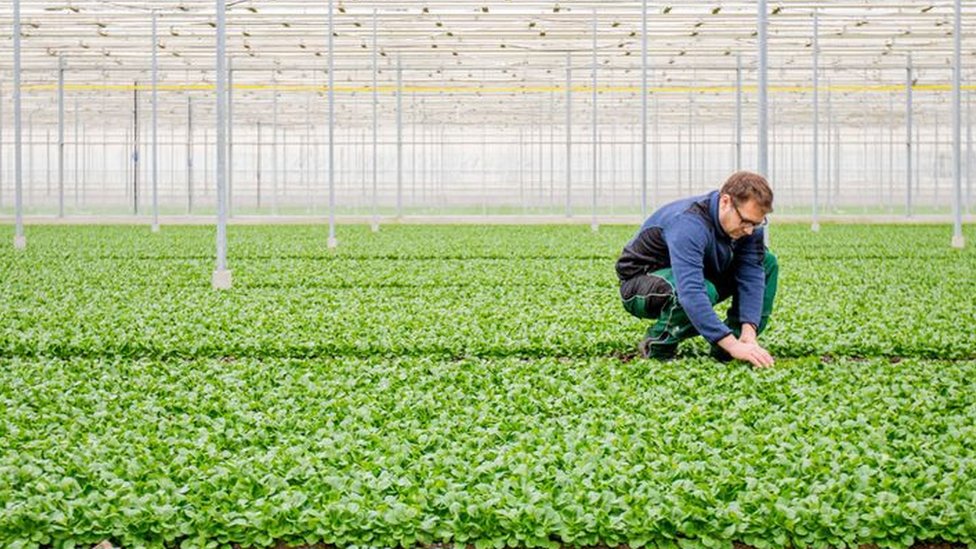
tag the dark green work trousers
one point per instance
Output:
(655, 296)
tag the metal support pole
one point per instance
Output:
(908, 137)
(958, 241)
(20, 241)
(135, 150)
(60, 136)
(258, 145)
(230, 137)
(596, 148)
(569, 134)
(1, 146)
(332, 242)
(189, 155)
(763, 152)
(644, 109)
(376, 219)
(155, 130)
(274, 151)
(76, 146)
(221, 279)
(816, 121)
(828, 148)
(738, 112)
(399, 123)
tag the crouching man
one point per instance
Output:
(695, 252)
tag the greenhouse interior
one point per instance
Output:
(487, 274)
(535, 108)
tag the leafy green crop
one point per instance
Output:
(474, 385)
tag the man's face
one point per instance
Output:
(739, 220)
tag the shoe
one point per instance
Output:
(650, 348)
(720, 354)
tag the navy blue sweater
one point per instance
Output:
(686, 235)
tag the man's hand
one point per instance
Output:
(749, 352)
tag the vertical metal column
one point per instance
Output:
(60, 136)
(20, 241)
(399, 123)
(274, 150)
(77, 152)
(763, 142)
(891, 154)
(332, 242)
(221, 279)
(189, 154)
(47, 161)
(738, 111)
(376, 219)
(644, 109)
(1, 146)
(958, 241)
(816, 121)
(135, 150)
(569, 134)
(596, 148)
(155, 130)
(828, 149)
(230, 137)
(908, 137)
(258, 145)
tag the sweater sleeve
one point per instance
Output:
(687, 239)
(750, 277)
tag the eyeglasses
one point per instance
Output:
(749, 222)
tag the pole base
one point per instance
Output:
(333, 243)
(376, 227)
(221, 280)
(815, 227)
(155, 228)
(958, 241)
(20, 242)
(594, 227)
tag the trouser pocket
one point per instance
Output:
(644, 296)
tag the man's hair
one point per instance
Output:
(743, 186)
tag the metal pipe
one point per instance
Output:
(274, 151)
(569, 134)
(332, 242)
(218, 281)
(376, 221)
(643, 109)
(135, 151)
(596, 147)
(20, 241)
(60, 136)
(230, 137)
(908, 137)
(258, 145)
(738, 112)
(763, 92)
(816, 121)
(958, 241)
(399, 123)
(155, 129)
(189, 154)
(1, 146)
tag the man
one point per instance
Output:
(695, 252)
